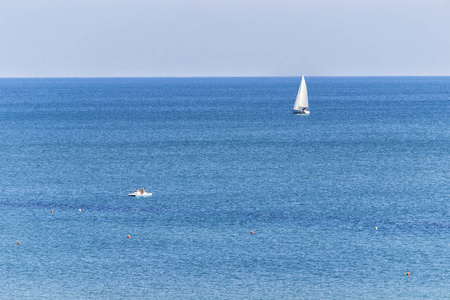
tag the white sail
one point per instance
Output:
(302, 97)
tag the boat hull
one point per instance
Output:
(301, 112)
(140, 195)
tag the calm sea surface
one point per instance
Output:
(224, 157)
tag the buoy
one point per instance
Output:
(128, 236)
(376, 228)
(251, 232)
(407, 273)
(51, 211)
(79, 210)
(18, 243)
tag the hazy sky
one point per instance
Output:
(52, 38)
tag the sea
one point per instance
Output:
(249, 200)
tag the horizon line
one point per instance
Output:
(239, 76)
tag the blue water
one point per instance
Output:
(224, 157)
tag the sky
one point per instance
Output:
(196, 38)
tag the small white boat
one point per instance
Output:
(139, 195)
(301, 103)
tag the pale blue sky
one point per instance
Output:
(147, 38)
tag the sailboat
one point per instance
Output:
(301, 103)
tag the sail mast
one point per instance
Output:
(304, 94)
